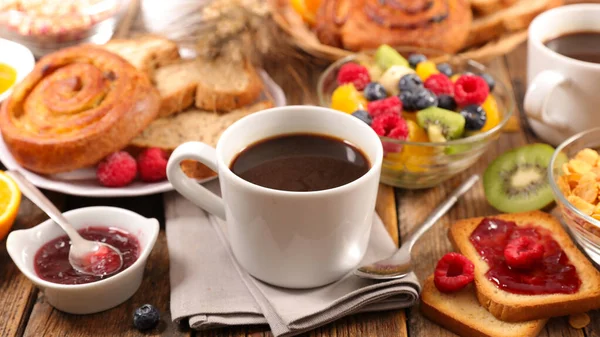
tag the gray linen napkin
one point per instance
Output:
(210, 289)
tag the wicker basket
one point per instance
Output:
(306, 40)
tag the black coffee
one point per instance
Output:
(300, 163)
(583, 46)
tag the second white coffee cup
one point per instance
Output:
(562, 98)
(288, 239)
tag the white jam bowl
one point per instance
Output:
(22, 245)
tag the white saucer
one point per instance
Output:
(83, 182)
(17, 56)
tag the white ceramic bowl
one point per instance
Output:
(22, 246)
(17, 56)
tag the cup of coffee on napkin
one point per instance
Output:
(298, 186)
(563, 72)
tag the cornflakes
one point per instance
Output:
(579, 166)
(587, 155)
(580, 182)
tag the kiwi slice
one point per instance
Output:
(386, 57)
(517, 181)
(452, 124)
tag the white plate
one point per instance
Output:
(83, 182)
(18, 57)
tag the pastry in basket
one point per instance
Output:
(526, 267)
(77, 106)
(366, 24)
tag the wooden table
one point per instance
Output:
(25, 312)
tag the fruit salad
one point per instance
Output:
(416, 99)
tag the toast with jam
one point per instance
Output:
(526, 267)
(461, 313)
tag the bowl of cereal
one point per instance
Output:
(573, 174)
(436, 114)
(46, 26)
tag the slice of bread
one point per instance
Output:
(225, 85)
(516, 307)
(193, 125)
(461, 313)
(506, 20)
(214, 85)
(146, 53)
(177, 84)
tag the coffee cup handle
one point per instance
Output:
(537, 97)
(188, 187)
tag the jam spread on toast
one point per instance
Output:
(553, 273)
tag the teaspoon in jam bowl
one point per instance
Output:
(87, 257)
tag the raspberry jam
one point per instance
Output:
(553, 274)
(51, 261)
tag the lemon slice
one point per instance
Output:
(10, 199)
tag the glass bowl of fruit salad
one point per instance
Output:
(436, 114)
(573, 175)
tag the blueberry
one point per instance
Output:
(415, 59)
(424, 99)
(146, 317)
(408, 100)
(489, 80)
(410, 82)
(475, 117)
(363, 116)
(374, 91)
(446, 102)
(445, 69)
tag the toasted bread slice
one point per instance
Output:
(461, 313)
(146, 53)
(193, 125)
(486, 7)
(215, 85)
(225, 85)
(515, 307)
(177, 84)
(507, 20)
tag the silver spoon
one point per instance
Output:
(87, 257)
(399, 264)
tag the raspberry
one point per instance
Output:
(470, 89)
(400, 131)
(453, 272)
(390, 105)
(355, 74)
(523, 252)
(383, 124)
(116, 170)
(439, 84)
(153, 164)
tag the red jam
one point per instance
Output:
(52, 259)
(553, 274)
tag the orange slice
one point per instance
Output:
(10, 199)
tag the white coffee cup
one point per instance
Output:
(288, 239)
(563, 95)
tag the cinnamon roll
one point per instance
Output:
(365, 24)
(77, 106)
